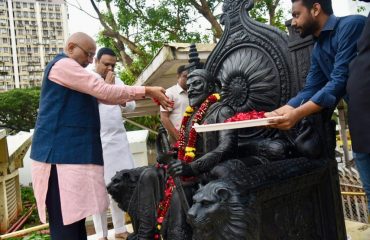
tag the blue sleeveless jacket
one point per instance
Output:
(67, 129)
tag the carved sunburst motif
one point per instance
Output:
(249, 81)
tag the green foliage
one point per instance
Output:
(269, 12)
(27, 195)
(37, 236)
(18, 109)
(149, 26)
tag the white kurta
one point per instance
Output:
(116, 151)
(117, 156)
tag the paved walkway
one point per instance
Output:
(110, 233)
(355, 231)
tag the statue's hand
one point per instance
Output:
(179, 168)
(165, 158)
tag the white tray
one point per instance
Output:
(234, 125)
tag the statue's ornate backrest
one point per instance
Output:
(251, 60)
(253, 64)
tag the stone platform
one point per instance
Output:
(355, 231)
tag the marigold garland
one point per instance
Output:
(186, 153)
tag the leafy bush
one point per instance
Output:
(18, 109)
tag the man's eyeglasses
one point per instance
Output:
(87, 53)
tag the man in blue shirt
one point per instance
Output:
(335, 47)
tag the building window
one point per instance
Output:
(24, 5)
(57, 15)
(3, 31)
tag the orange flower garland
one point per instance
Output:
(186, 153)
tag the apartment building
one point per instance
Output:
(32, 32)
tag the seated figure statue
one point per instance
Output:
(147, 193)
(139, 191)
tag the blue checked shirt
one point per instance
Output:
(333, 51)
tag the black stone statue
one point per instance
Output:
(147, 184)
(252, 183)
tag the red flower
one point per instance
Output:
(156, 101)
(246, 116)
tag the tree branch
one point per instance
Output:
(79, 8)
(205, 10)
(112, 31)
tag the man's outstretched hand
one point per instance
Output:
(289, 117)
(158, 93)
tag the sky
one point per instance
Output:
(82, 22)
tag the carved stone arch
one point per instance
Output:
(251, 61)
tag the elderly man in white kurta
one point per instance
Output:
(116, 151)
